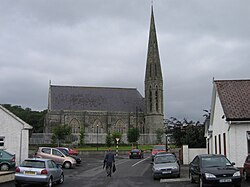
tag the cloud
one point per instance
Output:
(104, 43)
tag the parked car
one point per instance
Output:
(246, 168)
(156, 149)
(211, 169)
(65, 151)
(71, 151)
(136, 153)
(39, 171)
(7, 160)
(165, 165)
(57, 156)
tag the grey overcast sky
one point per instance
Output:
(104, 43)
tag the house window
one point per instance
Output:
(215, 144)
(219, 144)
(2, 141)
(225, 145)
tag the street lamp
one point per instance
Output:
(166, 132)
(97, 138)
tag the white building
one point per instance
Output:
(228, 132)
(14, 135)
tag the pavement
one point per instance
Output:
(183, 178)
(6, 176)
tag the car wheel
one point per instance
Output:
(49, 183)
(4, 167)
(67, 165)
(245, 177)
(61, 180)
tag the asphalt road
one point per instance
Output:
(130, 173)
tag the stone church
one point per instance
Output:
(100, 110)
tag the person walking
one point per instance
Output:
(109, 162)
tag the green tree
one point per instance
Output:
(133, 135)
(115, 135)
(60, 132)
(109, 140)
(82, 135)
(33, 118)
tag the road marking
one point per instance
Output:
(139, 161)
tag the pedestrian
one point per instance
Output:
(109, 162)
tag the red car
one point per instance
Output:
(157, 149)
(71, 151)
(246, 169)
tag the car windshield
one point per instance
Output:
(165, 159)
(215, 162)
(33, 164)
(159, 147)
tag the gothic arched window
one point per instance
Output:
(97, 126)
(75, 126)
(119, 127)
(156, 99)
(150, 101)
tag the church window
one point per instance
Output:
(119, 127)
(75, 126)
(155, 70)
(97, 127)
(150, 70)
(156, 100)
(150, 101)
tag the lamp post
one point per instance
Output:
(166, 132)
(97, 138)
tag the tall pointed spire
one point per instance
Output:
(153, 68)
(153, 83)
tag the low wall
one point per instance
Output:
(190, 153)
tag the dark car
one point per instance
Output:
(246, 168)
(65, 151)
(39, 171)
(136, 153)
(211, 169)
(7, 160)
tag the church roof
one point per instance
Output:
(95, 99)
(235, 98)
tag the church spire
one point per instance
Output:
(153, 67)
(153, 82)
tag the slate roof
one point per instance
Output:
(95, 99)
(235, 98)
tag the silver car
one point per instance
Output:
(165, 165)
(39, 171)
